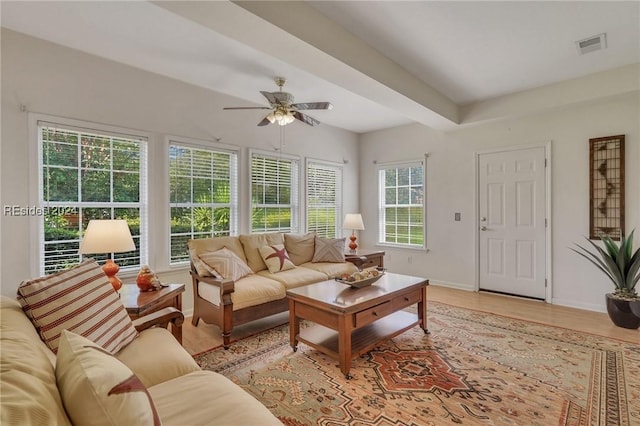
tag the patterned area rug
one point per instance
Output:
(475, 368)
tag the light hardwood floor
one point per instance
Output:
(206, 336)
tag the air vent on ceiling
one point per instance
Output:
(592, 44)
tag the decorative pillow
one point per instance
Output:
(251, 244)
(329, 250)
(208, 245)
(80, 299)
(276, 258)
(225, 264)
(97, 389)
(300, 247)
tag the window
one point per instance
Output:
(89, 174)
(324, 198)
(402, 204)
(203, 195)
(274, 193)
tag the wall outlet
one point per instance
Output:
(409, 260)
(456, 217)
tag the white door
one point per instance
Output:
(512, 235)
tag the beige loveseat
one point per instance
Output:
(227, 302)
(181, 392)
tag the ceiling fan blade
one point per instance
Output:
(312, 105)
(264, 122)
(305, 118)
(270, 97)
(246, 108)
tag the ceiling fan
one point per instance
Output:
(283, 110)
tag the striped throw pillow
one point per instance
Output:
(80, 299)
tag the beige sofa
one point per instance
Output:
(181, 392)
(227, 303)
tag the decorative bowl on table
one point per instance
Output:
(361, 279)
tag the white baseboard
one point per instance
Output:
(458, 286)
(187, 312)
(572, 304)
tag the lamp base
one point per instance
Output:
(111, 268)
(353, 245)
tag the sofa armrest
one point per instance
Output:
(226, 286)
(162, 318)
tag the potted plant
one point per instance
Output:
(622, 265)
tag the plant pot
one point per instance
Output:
(620, 312)
(635, 307)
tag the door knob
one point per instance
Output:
(483, 219)
(483, 228)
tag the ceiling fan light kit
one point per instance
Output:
(284, 111)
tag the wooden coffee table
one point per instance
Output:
(350, 322)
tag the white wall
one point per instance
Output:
(54, 80)
(451, 183)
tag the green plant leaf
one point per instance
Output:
(610, 264)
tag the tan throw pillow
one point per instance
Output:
(98, 389)
(80, 299)
(225, 264)
(251, 244)
(300, 247)
(329, 250)
(207, 245)
(276, 258)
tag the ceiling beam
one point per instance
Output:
(296, 33)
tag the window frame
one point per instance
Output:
(382, 202)
(339, 201)
(36, 168)
(293, 206)
(234, 187)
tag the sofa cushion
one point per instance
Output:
(295, 277)
(207, 245)
(276, 258)
(332, 269)
(27, 375)
(252, 243)
(206, 397)
(251, 290)
(329, 250)
(97, 389)
(80, 299)
(300, 247)
(225, 264)
(154, 366)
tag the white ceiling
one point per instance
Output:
(381, 64)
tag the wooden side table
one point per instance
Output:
(366, 259)
(140, 303)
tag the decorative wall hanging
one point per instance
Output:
(606, 185)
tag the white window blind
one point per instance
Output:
(324, 198)
(89, 173)
(274, 193)
(203, 195)
(402, 204)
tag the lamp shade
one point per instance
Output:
(107, 236)
(353, 221)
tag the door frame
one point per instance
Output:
(548, 233)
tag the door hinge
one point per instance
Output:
(545, 162)
(545, 222)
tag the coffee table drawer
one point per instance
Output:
(372, 314)
(405, 300)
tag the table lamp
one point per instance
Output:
(354, 222)
(108, 236)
